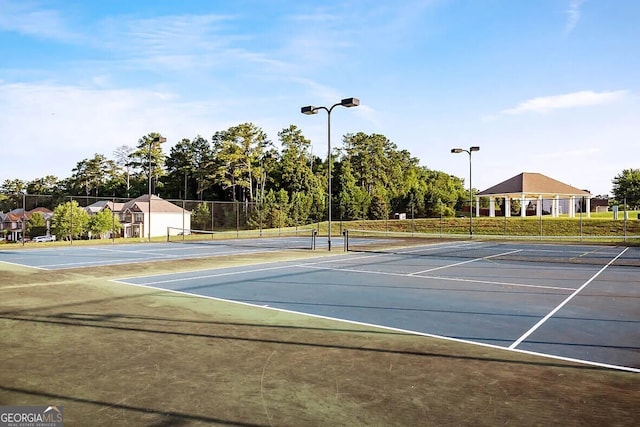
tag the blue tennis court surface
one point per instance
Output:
(64, 257)
(572, 302)
(586, 311)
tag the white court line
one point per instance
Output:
(157, 258)
(434, 246)
(97, 263)
(23, 265)
(563, 303)
(206, 276)
(227, 273)
(465, 262)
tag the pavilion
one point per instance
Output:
(536, 189)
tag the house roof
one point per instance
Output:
(16, 214)
(44, 211)
(533, 184)
(102, 205)
(12, 217)
(158, 205)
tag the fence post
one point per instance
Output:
(540, 221)
(625, 219)
(113, 220)
(213, 205)
(581, 209)
(413, 227)
(24, 216)
(71, 221)
(505, 220)
(440, 202)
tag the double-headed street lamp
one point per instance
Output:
(347, 102)
(469, 151)
(158, 139)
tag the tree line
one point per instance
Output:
(371, 177)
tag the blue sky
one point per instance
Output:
(548, 86)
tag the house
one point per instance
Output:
(102, 205)
(99, 206)
(144, 214)
(12, 222)
(600, 204)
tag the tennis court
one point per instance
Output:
(81, 256)
(573, 301)
(576, 302)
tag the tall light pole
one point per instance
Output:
(469, 151)
(347, 102)
(157, 139)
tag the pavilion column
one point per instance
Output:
(507, 206)
(477, 206)
(492, 206)
(587, 207)
(523, 206)
(556, 206)
(572, 206)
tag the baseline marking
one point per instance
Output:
(563, 303)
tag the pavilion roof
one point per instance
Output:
(533, 184)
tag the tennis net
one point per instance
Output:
(268, 239)
(431, 245)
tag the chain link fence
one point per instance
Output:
(24, 217)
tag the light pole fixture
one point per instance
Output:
(308, 110)
(158, 139)
(469, 151)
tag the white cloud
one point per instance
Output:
(27, 18)
(573, 15)
(52, 127)
(585, 98)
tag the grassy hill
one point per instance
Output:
(600, 227)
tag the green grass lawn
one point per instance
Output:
(113, 354)
(602, 227)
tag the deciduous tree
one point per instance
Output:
(69, 220)
(626, 186)
(103, 223)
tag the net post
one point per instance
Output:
(168, 234)
(346, 240)
(314, 234)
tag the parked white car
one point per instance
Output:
(44, 239)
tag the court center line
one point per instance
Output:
(463, 262)
(563, 303)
